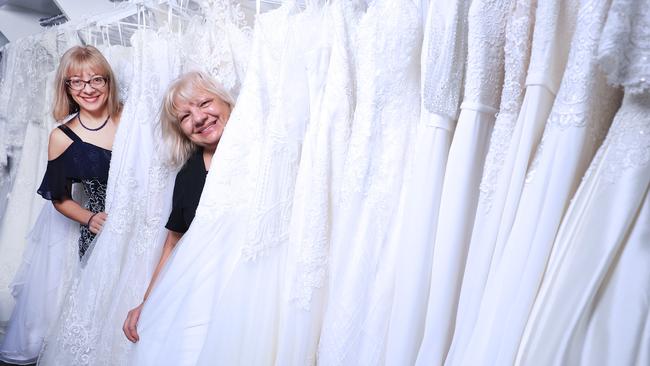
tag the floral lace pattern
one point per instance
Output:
(218, 42)
(628, 139)
(518, 44)
(624, 51)
(579, 104)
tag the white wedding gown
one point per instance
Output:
(581, 114)
(27, 130)
(45, 267)
(363, 260)
(443, 67)
(177, 316)
(117, 267)
(332, 69)
(592, 306)
(460, 191)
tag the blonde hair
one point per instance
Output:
(179, 147)
(73, 61)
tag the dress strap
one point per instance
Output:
(68, 131)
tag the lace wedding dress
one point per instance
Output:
(581, 114)
(177, 316)
(592, 305)
(119, 263)
(355, 323)
(443, 68)
(331, 67)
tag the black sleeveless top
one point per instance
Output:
(83, 163)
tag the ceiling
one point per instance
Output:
(20, 18)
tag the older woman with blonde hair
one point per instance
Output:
(194, 113)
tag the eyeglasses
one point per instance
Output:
(96, 82)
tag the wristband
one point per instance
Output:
(91, 217)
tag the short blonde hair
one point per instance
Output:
(73, 61)
(179, 147)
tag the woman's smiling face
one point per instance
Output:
(202, 118)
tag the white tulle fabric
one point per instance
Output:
(512, 145)
(177, 316)
(573, 132)
(119, 264)
(483, 84)
(363, 258)
(442, 58)
(49, 262)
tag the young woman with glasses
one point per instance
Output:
(79, 150)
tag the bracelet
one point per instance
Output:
(91, 217)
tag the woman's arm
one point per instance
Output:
(131, 322)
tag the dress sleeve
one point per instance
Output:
(56, 184)
(176, 221)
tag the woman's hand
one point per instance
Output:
(96, 222)
(131, 322)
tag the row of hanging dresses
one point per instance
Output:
(592, 307)
(443, 57)
(482, 93)
(378, 159)
(27, 124)
(47, 258)
(574, 129)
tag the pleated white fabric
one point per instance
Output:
(581, 114)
